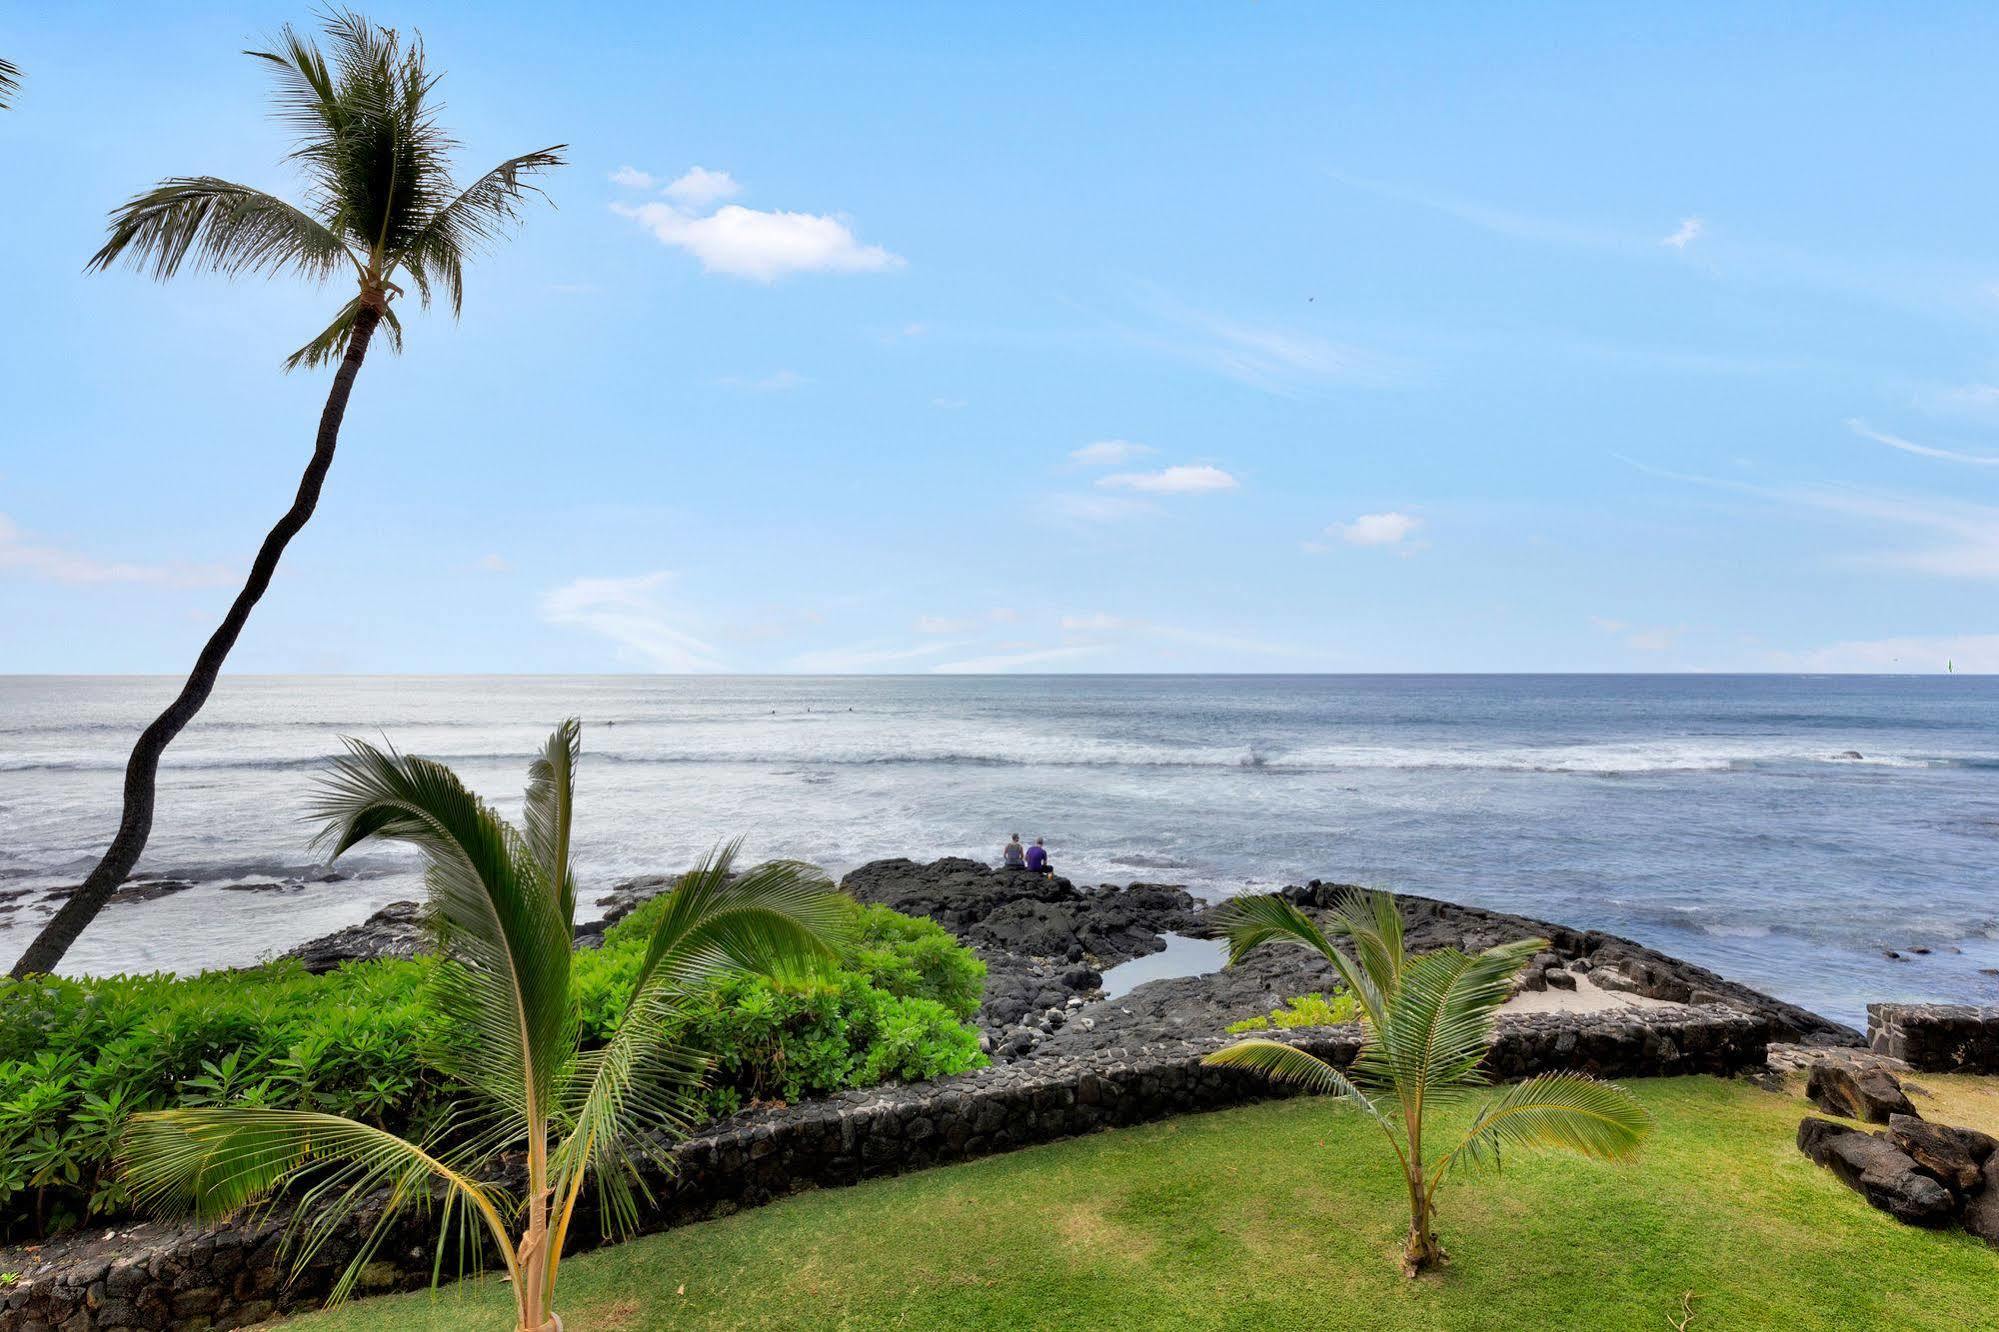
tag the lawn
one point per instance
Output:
(1289, 1215)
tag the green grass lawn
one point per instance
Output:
(1289, 1215)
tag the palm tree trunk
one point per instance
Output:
(1421, 1250)
(142, 769)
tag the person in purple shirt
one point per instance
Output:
(1037, 858)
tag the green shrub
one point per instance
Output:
(77, 1058)
(1307, 1010)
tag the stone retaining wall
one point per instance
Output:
(154, 1277)
(1936, 1038)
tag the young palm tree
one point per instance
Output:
(1428, 1023)
(381, 210)
(504, 902)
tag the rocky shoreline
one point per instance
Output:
(1048, 942)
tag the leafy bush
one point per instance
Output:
(893, 1009)
(1307, 1010)
(78, 1058)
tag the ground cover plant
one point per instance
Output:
(1271, 1215)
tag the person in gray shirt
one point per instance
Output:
(1013, 855)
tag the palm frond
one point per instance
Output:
(1441, 1019)
(1564, 1111)
(224, 226)
(213, 1162)
(10, 83)
(781, 915)
(1284, 1063)
(331, 343)
(507, 981)
(545, 816)
(1252, 921)
(1369, 921)
(435, 254)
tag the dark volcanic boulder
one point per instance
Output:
(1027, 915)
(1981, 1213)
(955, 892)
(1870, 1095)
(1879, 1171)
(1953, 1156)
(397, 930)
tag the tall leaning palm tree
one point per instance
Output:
(504, 901)
(10, 81)
(381, 210)
(1428, 1023)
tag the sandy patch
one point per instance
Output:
(1587, 997)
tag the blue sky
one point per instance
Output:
(1261, 337)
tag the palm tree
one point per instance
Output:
(382, 209)
(10, 79)
(504, 903)
(1428, 1021)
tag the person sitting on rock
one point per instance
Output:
(1013, 855)
(1037, 858)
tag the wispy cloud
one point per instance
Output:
(1001, 663)
(631, 178)
(1124, 626)
(961, 624)
(1970, 532)
(1920, 450)
(864, 657)
(20, 555)
(1642, 638)
(747, 242)
(1109, 453)
(778, 381)
(1689, 231)
(1089, 509)
(495, 563)
(634, 613)
(1186, 479)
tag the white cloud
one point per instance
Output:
(1689, 231)
(1967, 653)
(1009, 661)
(700, 187)
(1376, 529)
(1109, 452)
(1187, 479)
(747, 242)
(633, 613)
(778, 381)
(949, 404)
(19, 554)
(495, 564)
(854, 660)
(1921, 450)
(631, 178)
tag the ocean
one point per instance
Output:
(1787, 831)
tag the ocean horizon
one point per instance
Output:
(1788, 831)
